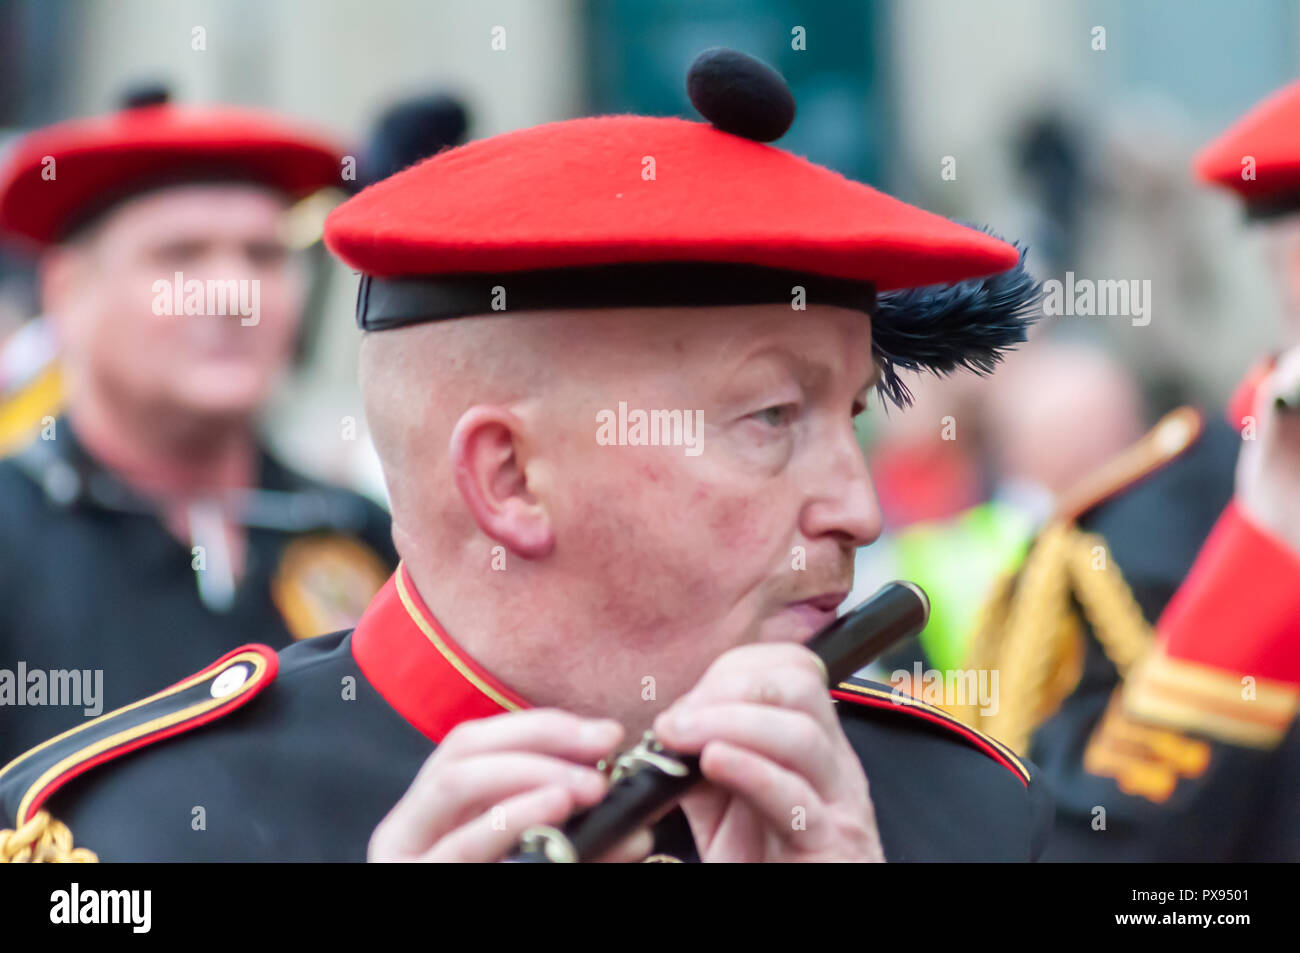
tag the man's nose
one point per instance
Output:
(843, 501)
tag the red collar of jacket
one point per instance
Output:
(417, 667)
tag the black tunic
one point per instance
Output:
(304, 764)
(92, 582)
(1229, 802)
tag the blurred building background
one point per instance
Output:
(1068, 123)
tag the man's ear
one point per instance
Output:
(490, 476)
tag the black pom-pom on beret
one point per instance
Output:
(740, 94)
(145, 94)
(412, 130)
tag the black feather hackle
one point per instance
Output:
(940, 328)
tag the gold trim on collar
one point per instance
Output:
(425, 626)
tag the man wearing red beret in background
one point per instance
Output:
(1182, 742)
(147, 531)
(612, 367)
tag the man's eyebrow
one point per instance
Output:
(809, 372)
(812, 373)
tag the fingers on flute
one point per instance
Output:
(541, 730)
(790, 738)
(472, 789)
(631, 849)
(492, 835)
(785, 676)
(473, 785)
(736, 670)
(779, 796)
(460, 781)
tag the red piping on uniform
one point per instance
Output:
(959, 728)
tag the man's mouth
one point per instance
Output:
(826, 600)
(812, 615)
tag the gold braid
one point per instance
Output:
(1029, 631)
(42, 840)
(987, 629)
(1027, 640)
(1108, 603)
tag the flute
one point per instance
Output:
(648, 778)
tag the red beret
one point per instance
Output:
(101, 160)
(628, 211)
(572, 194)
(1270, 135)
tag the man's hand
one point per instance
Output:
(1268, 471)
(782, 783)
(492, 779)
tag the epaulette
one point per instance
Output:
(1030, 628)
(860, 691)
(31, 779)
(1166, 441)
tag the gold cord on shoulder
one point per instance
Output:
(1022, 638)
(1115, 617)
(1031, 634)
(1030, 630)
(42, 840)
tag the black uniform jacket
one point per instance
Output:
(101, 605)
(1130, 790)
(297, 756)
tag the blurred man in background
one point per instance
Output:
(1178, 743)
(147, 530)
(1058, 408)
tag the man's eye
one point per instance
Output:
(776, 416)
(178, 252)
(267, 254)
